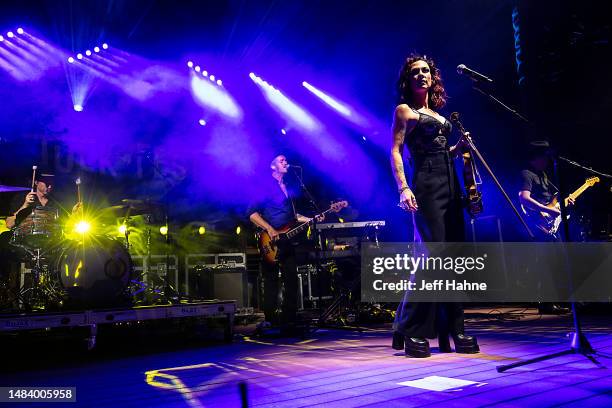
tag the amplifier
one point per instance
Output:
(220, 282)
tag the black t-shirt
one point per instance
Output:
(276, 208)
(537, 182)
(18, 200)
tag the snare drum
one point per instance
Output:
(95, 272)
(37, 229)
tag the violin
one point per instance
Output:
(471, 178)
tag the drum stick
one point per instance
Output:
(34, 178)
(78, 184)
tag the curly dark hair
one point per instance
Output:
(437, 94)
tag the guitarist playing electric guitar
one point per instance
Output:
(538, 197)
(275, 210)
(537, 192)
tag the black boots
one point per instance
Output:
(419, 347)
(413, 346)
(463, 344)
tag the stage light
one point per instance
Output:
(364, 138)
(88, 53)
(212, 96)
(10, 34)
(70, 60)
(202, 230)
(219, 82)
(190, 64)
(1, 38)
(122, 229)
(82, 227)
(79, 56)
(105, 46)
(283, 131)
(78, 108)
(285, 106)
(202, 122)
(341, 220)
(205, 73)
(20, 30)
(341, 108)
(238, 230)
(163, 230)
(197, 68)
(96, 49)
(212, 78)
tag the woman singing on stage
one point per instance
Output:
(434, 198)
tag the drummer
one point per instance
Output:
(40, 197)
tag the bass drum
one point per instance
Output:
(95, 272)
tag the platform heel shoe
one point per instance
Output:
(465, 344)
(416, 347)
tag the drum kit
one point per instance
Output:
(60, 271)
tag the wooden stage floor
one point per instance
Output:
(338, 368)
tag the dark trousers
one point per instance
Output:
(439, 219)
(427, 319)
(280, 307)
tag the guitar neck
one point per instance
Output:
(294, 231)
(577, 193)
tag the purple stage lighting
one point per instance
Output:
(20, 30)
(1, 38)
(10, 34)
(105, 46)
(219, 82)
(202, 122)
(214, 97)
(88, 53)
(342, 109)
(285, 106)
(96, 49)
(283, 131)
(70, 60)
(79, 56)
(212, 78)
(78, 108)
(190, 64)
(205, 73)
(197, 68)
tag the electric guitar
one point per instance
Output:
(550, 224)
(268, 248)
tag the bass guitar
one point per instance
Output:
(549, 224)
(268, 248)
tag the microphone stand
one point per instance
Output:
(317, 240)
(588, 169)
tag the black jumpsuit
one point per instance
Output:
(438, 219)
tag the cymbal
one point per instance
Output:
(9, 189)
(131, 207)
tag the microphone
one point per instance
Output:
(294, 166)
(473, 75)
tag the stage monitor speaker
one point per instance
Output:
(220, 283)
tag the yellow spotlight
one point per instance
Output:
(202, 230)
(238, 230)
(341, 219)
(82, 227)
(122, 229)
(163, 230)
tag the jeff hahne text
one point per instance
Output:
(404, 264)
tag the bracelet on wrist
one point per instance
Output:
(401, 190)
